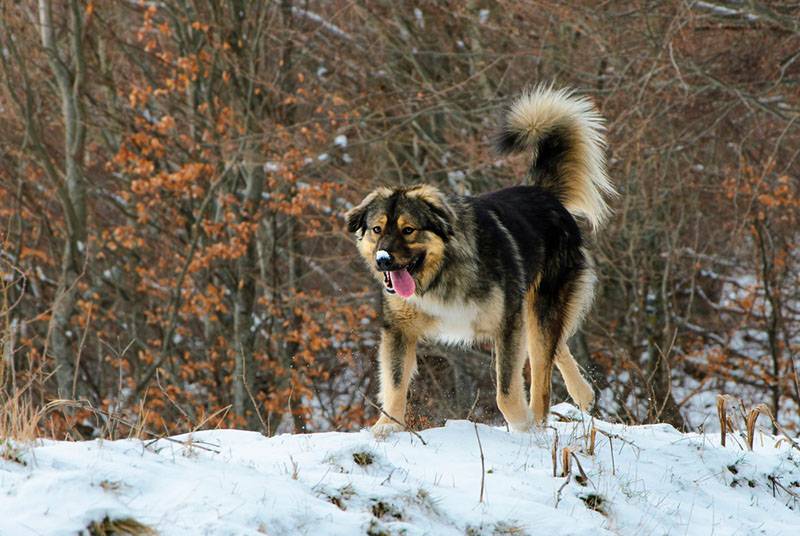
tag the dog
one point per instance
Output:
(510, 266)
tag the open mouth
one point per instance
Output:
(401, 281)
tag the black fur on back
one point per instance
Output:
(548, 153)
(523, 234)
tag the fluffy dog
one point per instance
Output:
(508, 266)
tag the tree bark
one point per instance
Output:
(246, 270)
(68, 71)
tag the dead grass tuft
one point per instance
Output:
(10, 452)
(382, 509)
(504, 528)
(363, 458)
(124, 526)
(596, 502)
(19, 416)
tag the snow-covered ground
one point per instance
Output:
(640, 480)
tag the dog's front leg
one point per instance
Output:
(510, 356)
(398, 363)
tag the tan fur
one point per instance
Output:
(582, 174)
(428, 193)
(381, 191)
(434, 255)
(541, 362)
(411, 321)
(393, 398)
(578, 388)
(368, 244)
(581, 299)
(514, 406)
(406, 221)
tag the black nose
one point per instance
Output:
(384, 260)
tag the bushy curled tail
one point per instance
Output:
(565, 135)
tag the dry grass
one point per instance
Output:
(125, 526)
(726, 424)
(566, 462)
(19, 416)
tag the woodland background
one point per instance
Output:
(173, 177)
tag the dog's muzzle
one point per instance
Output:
(397, 278)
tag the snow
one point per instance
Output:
(332, 28)
(419, 17)
(725, 11)
(659, 481)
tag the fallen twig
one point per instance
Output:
(617, 436)
(583, 477)
(558, 493)
(554, 454)
(776, 482)
(613, 466)
(483, 466)
(474, 404)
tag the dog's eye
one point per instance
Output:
(408, 230)
(376, 230)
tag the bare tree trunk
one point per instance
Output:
(247, 268)
(773, 321)
(291, 348)
(661, 402)
(68, 70)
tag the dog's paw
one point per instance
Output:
(585, 397)
(382, 430)
(525, 422)
(521, 426)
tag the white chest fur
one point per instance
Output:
(459, 322)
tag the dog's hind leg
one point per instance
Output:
(577, 302)
(510, 360)
(541, 358)
(554, 310)
(578, 388)
(398, 362)
(554, 315)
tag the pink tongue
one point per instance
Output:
(403, 283)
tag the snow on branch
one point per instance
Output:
(322, 22)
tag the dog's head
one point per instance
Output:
(402, 235)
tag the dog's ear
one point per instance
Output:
(441, 215)
(442, 222)
(357, 216)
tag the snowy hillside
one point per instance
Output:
(640, 480)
